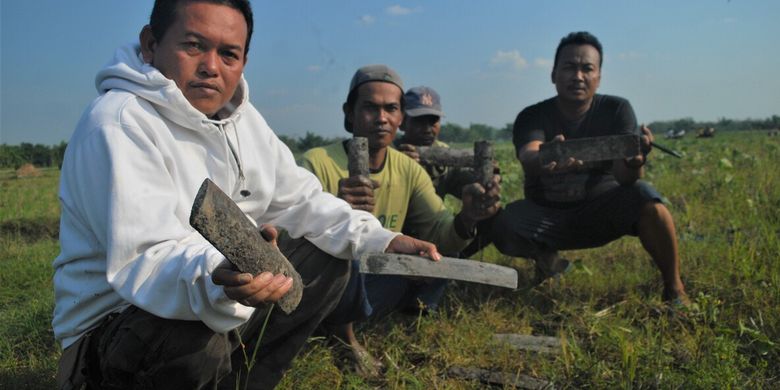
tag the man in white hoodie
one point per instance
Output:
(144, 301)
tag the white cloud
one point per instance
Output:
(366, 20)
(397, 10)
(511, 58)
(313, 68)
(543, 63)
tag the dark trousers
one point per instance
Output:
(526, 229)
(375, 296)
(137, 350)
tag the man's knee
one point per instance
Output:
(509, 235)
(654, 211)
(338, 272)
(324, 276)
(142, 350)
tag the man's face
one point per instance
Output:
(202, 51)
(421, 130)
(577, 74)
(377, 113)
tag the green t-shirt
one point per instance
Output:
(405, 200)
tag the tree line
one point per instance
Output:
(14, 156)
(722, 124)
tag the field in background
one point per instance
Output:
(725, 197)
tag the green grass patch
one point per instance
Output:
(615, 331)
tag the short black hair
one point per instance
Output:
(164, 13)
(580, 38)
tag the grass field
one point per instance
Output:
(615, 332)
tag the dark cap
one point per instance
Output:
(422, 101)
(375, 73)
(370, 73)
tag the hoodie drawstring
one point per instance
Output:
(234, 152)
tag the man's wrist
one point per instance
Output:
(463, 228)
(635, 163)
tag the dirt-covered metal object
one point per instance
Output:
(527, 342)
(358, 157)
(218, 219)
(483, 162)
(590, 149)
(446, 268)
(445, 157)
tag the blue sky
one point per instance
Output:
(704, 59)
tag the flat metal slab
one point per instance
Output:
(590, 149)
(446, 268)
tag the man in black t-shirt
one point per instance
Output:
(574, 205)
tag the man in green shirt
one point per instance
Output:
(399, 193)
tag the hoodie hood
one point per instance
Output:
(128, 71)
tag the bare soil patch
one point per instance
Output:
(27, 170)
(31, 230)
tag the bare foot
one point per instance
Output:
(363, 363)
(676, 298)
(349, 352)
(548, 265)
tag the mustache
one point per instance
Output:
(201, 84)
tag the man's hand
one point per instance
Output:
(270, 234)
(248, 290)
(480, 203)
(410, 150)
(570, 164)
(358, 191)
(413, 246)
(645, 142)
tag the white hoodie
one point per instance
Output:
(131, 172)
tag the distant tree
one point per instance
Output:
(722, 124)
(684, 124)
(11, 156)
(58, 154)
(451, 132)
(311, 140)
(291, 143)
(505, 134)
(478, 132)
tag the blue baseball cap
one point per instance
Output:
(422, 101)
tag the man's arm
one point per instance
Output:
(430, 220)
(122, 201)
(528, 135)
(627, 171)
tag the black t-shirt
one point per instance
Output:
(608, 115)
